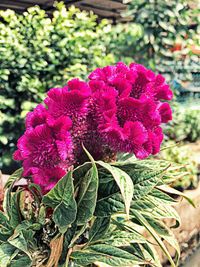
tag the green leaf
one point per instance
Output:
(42, 215)
(153, 233)
(164, 232)
(171, 190)
(123, 181)
(80, 171)
(156, 208)
(12, 207)
(87, 195)
(5, 229)
(68, 236)
(158, 194)
(77, 234)
(22, 241)
(147, 252)
(14, 177)
(21, 261)
(99, 228)
(105, 253)
(121, 238)
(109, 205)
(61, 199)
(144, 175)
(124, 234)
(7, 253)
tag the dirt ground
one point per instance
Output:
(194, 148)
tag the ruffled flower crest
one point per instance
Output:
(120, 109)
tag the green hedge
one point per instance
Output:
(37, 53)
(165, 24)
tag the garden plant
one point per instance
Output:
(86, 190)
(170, 29)
(179, 153)
(185, 125)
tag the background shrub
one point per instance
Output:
(185, 125)
(180, 154)
(170, 28)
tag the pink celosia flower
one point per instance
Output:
(47, 178)
(148, 83)
(36, 117)
(128, 109)
(45, 146)
(165, 112)
(120, 110)
(70, 100)
(48, 146)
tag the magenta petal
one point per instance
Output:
(60, 125)
(63, 148)
(97, 74)
(46, 146)
(164, 92)
(136, 132)
(140, 152)
(162, 89)
(17, 155)
(154, 140)
(141, 70)
(23, 145)
(123, 86)
(157, 140)
(36, 117)
(165, 112)
(47, 178)
(82, 87)
(27, 166)
(62, 102)
(96, 85)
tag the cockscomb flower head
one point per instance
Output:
(36, 117)
(120, 109)
(45, 145)
(129, 108)
(70, 100)
(148, 83)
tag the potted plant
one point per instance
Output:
(88, 189)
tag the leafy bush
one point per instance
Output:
(82, 220)
(185, 125)
(122, 40)
(181, 155)
(167, 33)
(68, 211)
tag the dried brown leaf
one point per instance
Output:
(56, 246)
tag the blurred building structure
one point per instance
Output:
(110, 9)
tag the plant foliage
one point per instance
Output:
(185, 125)
(180, 154)
(167, 33)
(83, 220)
